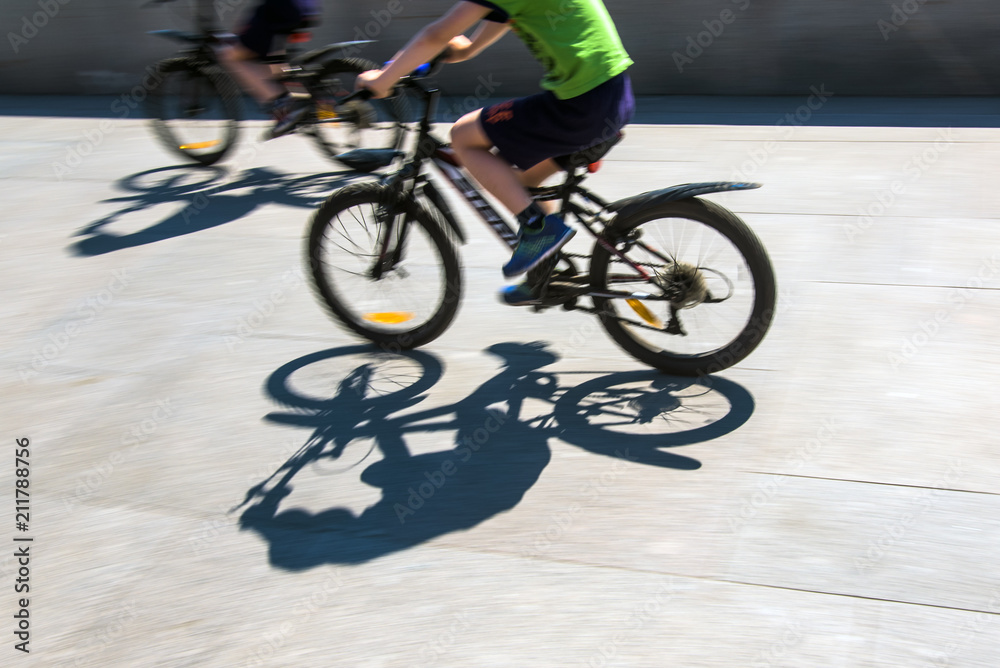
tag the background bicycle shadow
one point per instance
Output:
(212, 196)
(497, 453)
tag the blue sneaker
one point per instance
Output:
(537, 245)
(521, 294)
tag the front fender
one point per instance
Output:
(626, 207)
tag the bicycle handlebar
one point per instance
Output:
(423, 71)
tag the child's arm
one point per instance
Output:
(463, 48)
(428, 43)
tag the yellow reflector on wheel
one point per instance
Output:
(644, 313)
(204, 144)
(390, 318)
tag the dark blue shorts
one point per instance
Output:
(531, 129)
(277, 17)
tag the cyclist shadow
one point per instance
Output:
(498, 453)
(211, 196)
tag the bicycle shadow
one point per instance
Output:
(497, 453)
(211, 196)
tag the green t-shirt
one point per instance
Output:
(575, 41)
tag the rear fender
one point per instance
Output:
(626, 207)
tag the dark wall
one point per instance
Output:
(718, 47)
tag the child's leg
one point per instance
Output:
(474, 150)
(540, 235)
(253, 76)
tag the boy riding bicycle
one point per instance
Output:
(509, 147)
(270, 19)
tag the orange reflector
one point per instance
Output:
(644, 313)
(299, 37)
(594, 166)
(325, 112)
(204, 144)
(390, 318)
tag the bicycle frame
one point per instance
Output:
(443, 157)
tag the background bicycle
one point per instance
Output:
(680, 283)
(196, 106)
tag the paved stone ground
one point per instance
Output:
(831, 501)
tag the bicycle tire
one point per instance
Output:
(208, 146)
(337, 287)
(334, 138)
(205, 144)
(744, 246)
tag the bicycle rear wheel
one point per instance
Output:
(709, 299)
(384, 267)
(372, 124)
(195, 110)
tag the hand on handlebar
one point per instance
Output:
(370, 81)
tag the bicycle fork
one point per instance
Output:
(390, 253)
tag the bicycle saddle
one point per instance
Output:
(588, 156)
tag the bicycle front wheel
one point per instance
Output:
(195, 110)
(372, 124)
(384, 268)
(710, 292)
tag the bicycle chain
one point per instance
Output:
(594, 311)
(638, 264)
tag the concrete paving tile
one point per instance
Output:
(829, 501)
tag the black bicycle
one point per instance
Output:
(679, 282)
(196, 106)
